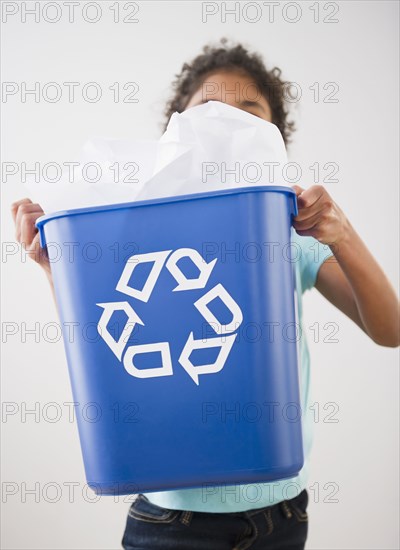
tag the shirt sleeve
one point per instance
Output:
(311, 255)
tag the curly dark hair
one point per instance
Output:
(238, 58)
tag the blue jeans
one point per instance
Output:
(282, 526)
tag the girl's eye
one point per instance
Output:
(251, 111)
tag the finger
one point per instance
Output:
(311, 195)
(28, 230)
(304, 213)
(307, 223)
(25, 208)
(16, 205)
(297, 189)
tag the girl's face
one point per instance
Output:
(234, 88)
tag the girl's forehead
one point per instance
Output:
(223, 75)
(219, 84)
(234, 87)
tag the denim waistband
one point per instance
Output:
(279, 504)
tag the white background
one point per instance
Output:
(359, 133)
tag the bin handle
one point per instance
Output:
(39, 225)
(293, 207)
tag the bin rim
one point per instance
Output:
(42, 220)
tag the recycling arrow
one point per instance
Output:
(117, 346)
(219, 291)
(204, 268)
(224, 342)
(164, 370)
(158, 260)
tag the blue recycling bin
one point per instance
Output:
(179, 321)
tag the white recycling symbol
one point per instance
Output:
(226, 334)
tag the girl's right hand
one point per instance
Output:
(25, 214)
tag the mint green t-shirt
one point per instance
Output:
(310, 254)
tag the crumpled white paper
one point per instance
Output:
(206, 148)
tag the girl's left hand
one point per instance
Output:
(319, 216)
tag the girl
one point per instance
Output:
(234, 517)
